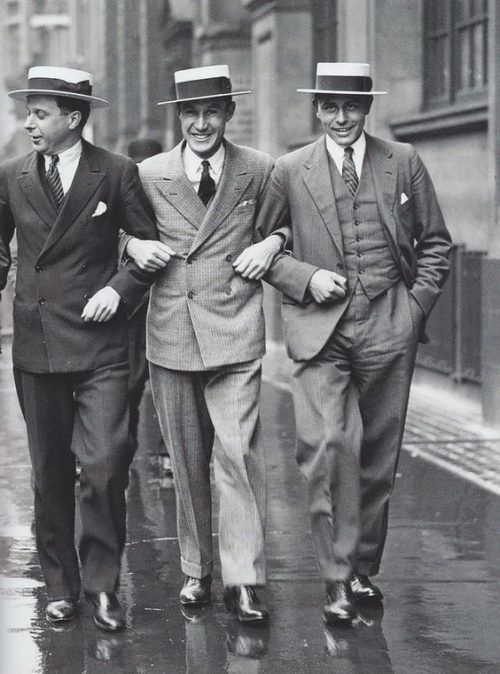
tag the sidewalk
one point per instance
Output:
(442, 428)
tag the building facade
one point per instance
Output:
(439, 61)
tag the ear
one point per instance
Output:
(74, 118)
(230, 110)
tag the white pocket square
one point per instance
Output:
(100, 209)
(404, 198)
(246, 202)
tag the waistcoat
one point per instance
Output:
(367, 256)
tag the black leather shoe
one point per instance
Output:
(195, 591)
(61, 610)
(339, 605)
(243, 600)
(363, 589)
(108, 612)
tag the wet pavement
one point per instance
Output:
(439, 576)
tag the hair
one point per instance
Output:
(68, 105)
(228, 100)
(366, 99)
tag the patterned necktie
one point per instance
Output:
(54, 180)
(349, 174)
(206, 189)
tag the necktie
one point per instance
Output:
(349, 174)
(206, 189)
(54, 180)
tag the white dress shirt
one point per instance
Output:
(67, 164)
(336, 152)
(193, 167)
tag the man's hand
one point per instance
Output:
(254, 261)
(102, 306)
(327, 286)
(150, 255)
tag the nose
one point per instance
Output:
(29, 124)
(341, 116)
(201, 121)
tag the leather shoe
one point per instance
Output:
(363, 588)
(108, 612)
(339, 605)
(243, 600)
(61, 610)
(195, 591)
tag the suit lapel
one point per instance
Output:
(234, 181)
(384, 170)
(31, 185)
(316, 175)
(87, 179)
(174, 185)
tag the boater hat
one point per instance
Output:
(343, 78)
(195, 84)
(66, 82)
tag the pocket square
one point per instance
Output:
(100, 209)
(246, 202)
(404, 199)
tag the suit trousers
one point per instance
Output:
(216, 412)
(94, 406)
(350, 407)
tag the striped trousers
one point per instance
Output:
(216, 413)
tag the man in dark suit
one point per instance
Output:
(67, 200)
(370, 256)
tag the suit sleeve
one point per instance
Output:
(138, 220)
(287, 274)
(6, 230)
(433, 241)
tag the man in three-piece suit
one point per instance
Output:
(67, 200)
(370, 255)
(205, 337)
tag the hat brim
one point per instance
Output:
(201, 98)
(353, 93)
(22, 94)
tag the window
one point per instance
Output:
(456, 46)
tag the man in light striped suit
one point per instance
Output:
(205, 337)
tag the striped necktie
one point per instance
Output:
(349, 174)
(54, 180)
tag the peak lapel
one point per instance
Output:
(174, 186)
(316, 175)
(31, 184)
(87, 179)
(384, 171)
(233, 183)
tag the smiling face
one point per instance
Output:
(51, 130)
(203, 124)
(342, 116)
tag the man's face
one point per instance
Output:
(50, 130)
(342, 117)
(203, 124)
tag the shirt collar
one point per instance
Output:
(337, 151)
(72, 154)
(192, 162)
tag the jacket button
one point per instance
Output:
(340, 265)
(190, 295)
(84, 266)
(228, 290)
(190, 260)
(86, 297)
(38, 268)
(41, 300)
(229, 258)
(361, 271)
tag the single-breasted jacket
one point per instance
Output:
(65, 257)
(202, 314)
(300, 194)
